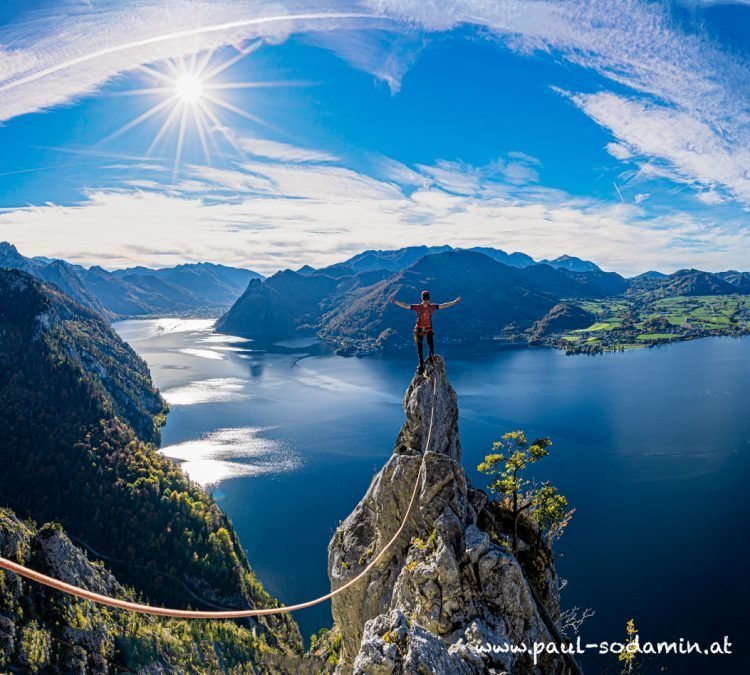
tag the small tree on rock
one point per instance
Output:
(550, 513)
(510, 457)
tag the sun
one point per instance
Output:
(188, 88)
(190, 96)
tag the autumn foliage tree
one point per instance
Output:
(547, 508)
(628, 656)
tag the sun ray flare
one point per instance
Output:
(194, 96)
(153, 110)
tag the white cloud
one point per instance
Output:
(284, 152)
(680, 81)
(619, 151)
(397, 172)
(72, 50)
(675, 73)
(315, 182)
(518, 172)
(681, 111)
(286, 215)
(463, 179)
(688, 150)
(385, 54)
(711, 197)
(453, 177)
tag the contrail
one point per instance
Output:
(618, 192)
(190, 32)
(49, 168)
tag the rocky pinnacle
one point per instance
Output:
(447, 589)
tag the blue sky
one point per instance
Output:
(616, 131)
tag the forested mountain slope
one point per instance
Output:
(64, 275)
(353, 311)
(42, 630)
(79, 417)
(505, 296)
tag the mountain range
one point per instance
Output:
(399, 259)
(502, 294)
(137, 291)
(692, 282)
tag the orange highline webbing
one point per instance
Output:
(223, 614)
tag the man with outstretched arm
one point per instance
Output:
(425, 310)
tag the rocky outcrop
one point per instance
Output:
(43, 630)
(447, 587)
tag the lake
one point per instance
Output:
(651, 446)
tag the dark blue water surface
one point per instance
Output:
(651, 446)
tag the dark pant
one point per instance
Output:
(419, 334)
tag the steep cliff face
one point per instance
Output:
(43, 630)
(448, 585)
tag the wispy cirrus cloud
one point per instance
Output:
(54, 57)
(672, 78)
(675, 102)
(686, 148)
(284, 152)
(667, 72)
(274, 214)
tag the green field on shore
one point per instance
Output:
(626, 323)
